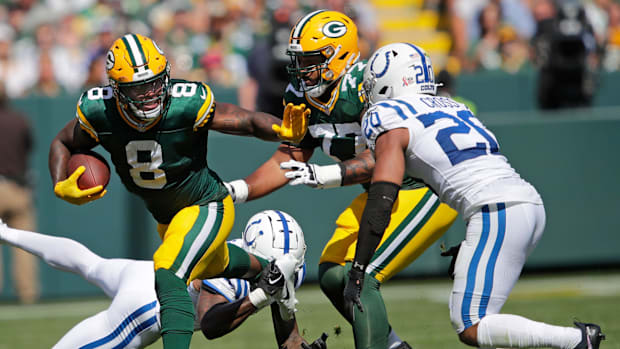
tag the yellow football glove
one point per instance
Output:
(294, 123)
(69, 191)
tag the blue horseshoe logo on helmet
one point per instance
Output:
(387, 64)
(249, 243)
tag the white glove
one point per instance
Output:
(238, 190)
(313, 175)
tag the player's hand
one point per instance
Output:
(294, 123)
(69, 191)
(320, 343)
(353, 291)
(312, 175)
(451, 252)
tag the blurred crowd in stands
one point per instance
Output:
(51, 47)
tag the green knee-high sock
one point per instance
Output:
(331, 280)
(177, 311)
(371, 327)
(239, 265)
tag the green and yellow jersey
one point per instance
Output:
(165, 163)
(335, 126)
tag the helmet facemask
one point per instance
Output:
(146, 99)
(304, 64)
(366, 91)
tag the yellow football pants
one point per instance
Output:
(418, 219)
(194, 243)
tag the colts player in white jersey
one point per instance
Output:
(133, 321)
(440, 142)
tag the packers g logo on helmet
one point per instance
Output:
(140, 76)
(109, 60)
(325, 42)
(334, 29)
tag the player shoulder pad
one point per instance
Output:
(91, 106)
(384, 116)
(194, 100)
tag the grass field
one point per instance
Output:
(418, 311)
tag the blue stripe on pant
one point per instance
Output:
(126, 322)
(490, 266)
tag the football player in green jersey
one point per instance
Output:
(327, 76)
(155, 129)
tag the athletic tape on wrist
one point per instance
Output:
(259, 298)
(240, 190)
(329, 176)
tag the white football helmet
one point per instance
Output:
(398, 69)
(271, 234)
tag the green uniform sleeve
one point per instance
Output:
(90, 111)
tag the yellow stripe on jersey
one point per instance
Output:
(359, 92)
(85, 125)
(329, 106)
(206, 111)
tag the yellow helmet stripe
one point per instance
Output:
(302, 22)
(205, 112)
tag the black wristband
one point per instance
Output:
(376, 217)
(343, 172)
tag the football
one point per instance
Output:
(97, 169)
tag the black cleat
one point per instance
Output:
(591, 336)
(403, 345)
(271, 279)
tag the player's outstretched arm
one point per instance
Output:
(359, 169)
(219, 317)
(231, 119)
(268, 177)
(353, 171)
